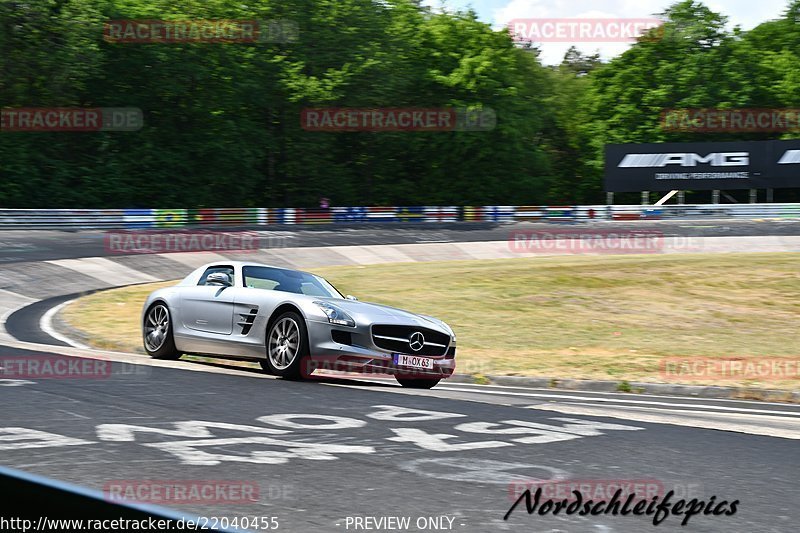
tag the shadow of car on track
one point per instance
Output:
(352, 380)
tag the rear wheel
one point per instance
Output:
(287, 346)
(417, 383)
(157, 333)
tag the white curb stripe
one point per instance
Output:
(105, 270)
(46, 325)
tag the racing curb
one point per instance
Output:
(665, 389)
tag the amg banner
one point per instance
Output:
(702, 166)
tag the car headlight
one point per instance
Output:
(336, 315)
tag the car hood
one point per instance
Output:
(383, 314)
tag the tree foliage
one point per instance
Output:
(222, 120)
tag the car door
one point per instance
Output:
(255, 298)
(209, 308)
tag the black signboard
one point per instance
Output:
(783, 162)
(702, 166)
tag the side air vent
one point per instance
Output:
(247, 319)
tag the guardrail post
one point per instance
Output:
(770, 196)
(715, 197)
(609, 198)
(753, 196)
(645, 197)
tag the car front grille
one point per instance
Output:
(397, 339)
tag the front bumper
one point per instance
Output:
(360, 354)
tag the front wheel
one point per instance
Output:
(157, 333)
(417, 383)
(287, 346)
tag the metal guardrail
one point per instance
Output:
(693, 211)
(260, 216)
(176, 218)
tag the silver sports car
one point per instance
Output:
(293, 323)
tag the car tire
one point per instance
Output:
(162, 345)
(286, 358)
(265, 366)
(417, 383)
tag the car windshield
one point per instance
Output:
(280, 279)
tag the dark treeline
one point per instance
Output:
(222, 121)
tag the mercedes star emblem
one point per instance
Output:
(416, 341)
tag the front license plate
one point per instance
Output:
(413, 361)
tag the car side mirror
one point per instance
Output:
(219, 278)
(351, 297)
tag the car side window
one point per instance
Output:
(284, 280)
(228, 270)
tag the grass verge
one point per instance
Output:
(583, 317)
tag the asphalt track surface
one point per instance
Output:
(362, 461)
(327, 452)
(42, 245)
(23, 324)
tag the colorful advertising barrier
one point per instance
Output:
(167, 219)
